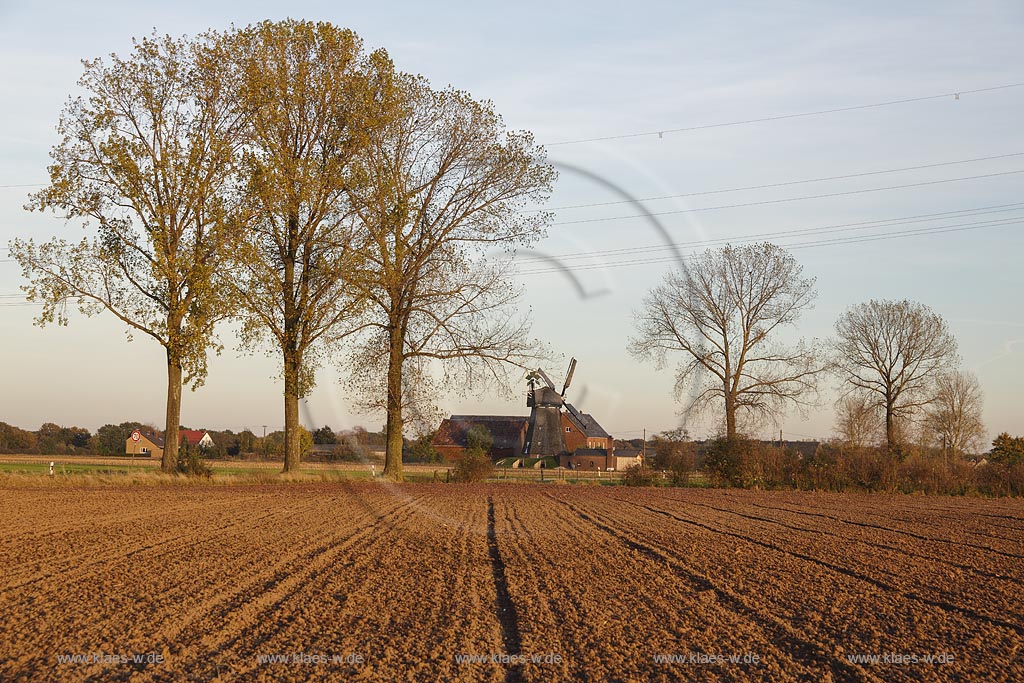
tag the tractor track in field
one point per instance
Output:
(872, 560)
(853, 574)
(802, 648)
(69, 542)
(890, 529)
(889, 548)
(175, 599)
(165, 547)
(248, 606)
(902, 532)
(505, 607)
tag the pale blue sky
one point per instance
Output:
(578, 71)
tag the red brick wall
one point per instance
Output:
(589, 463)
(574, 438)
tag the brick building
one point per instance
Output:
(507, 431)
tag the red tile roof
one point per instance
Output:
(192, 437)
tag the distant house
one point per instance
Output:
(195, 437)
(508, 433)
(151, 444)
(144, 444)
(593, 459)
(600, 459)
(626, 457)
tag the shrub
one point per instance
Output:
(999, 479)
(638, 475)
(345, 451)
(190, 462)
(324, 436)
(422, 449)
(474, 466)
(678, 459)
(722, 462)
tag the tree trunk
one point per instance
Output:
(289, 348)
(292, 443)
(393, 452)
(172, 423)
(730, 418)
(890, 430)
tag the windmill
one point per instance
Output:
(544, 436)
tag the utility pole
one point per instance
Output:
(264, 441)
(644, 456)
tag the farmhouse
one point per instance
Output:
(151, 444)
(144, 444)
(507, 431)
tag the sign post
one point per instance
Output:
(136, 437)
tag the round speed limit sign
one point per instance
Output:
(136, 436)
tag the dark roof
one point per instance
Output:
(628, 452)
(586, 423)
(508, 431)
(592, 452)
(806, 449)
(156, 439)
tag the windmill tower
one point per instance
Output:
(544, 436)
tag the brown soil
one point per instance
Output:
(545, 583)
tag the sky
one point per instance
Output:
(574, 72)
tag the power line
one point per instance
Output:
(819, 112)
(782, 184)
(798, 245)
(660, 133)
(789, 199)
(817, 230)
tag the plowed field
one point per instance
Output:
(507, 583)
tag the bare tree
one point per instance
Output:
(858, 420)
(307, 96)
(444, 182)
(722, 312)
(955, 415)
(895, 350)
(147, 158)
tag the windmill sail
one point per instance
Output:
(568, 376)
